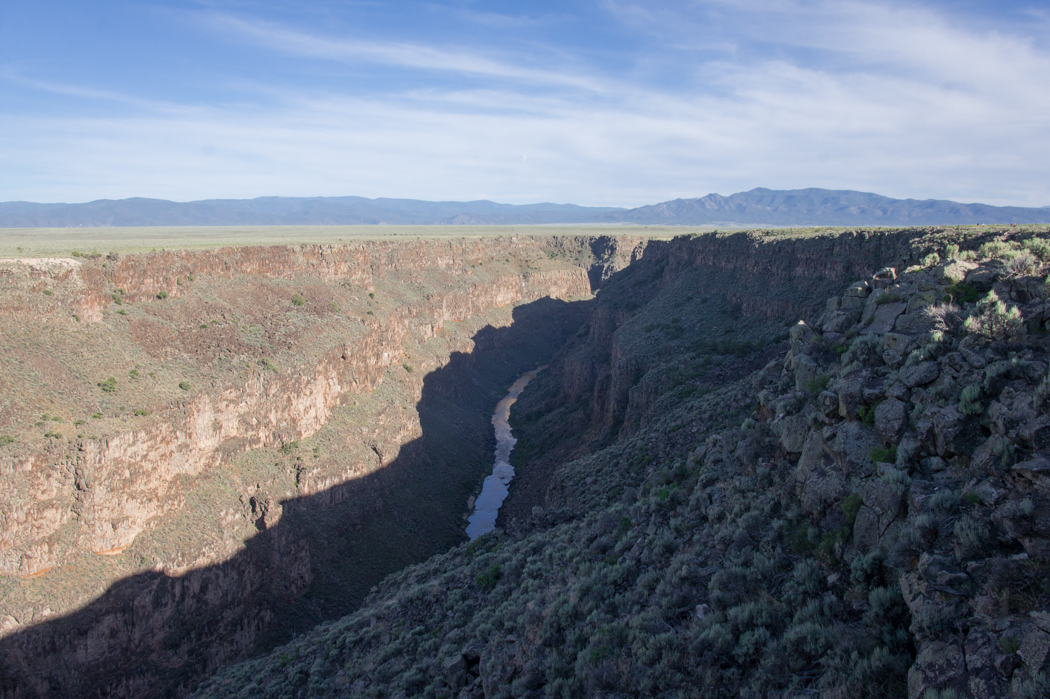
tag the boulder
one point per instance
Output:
(806, 370)
(914, 323)
(840, 320)
(884, 278)
(919, 374)
(921, 300)
(883, 318)
(818, 479)
(851, 392)
(983, 278)
(890, 416)
(852, 445)
(938, 665)
(1036, 432)
(947, 426)
(859, 289)
(792, 431)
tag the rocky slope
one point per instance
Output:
(734, 503)
(182, 431)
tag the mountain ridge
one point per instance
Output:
(759, 206)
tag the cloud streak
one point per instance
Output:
(900, 101)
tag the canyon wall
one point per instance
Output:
(166, 603)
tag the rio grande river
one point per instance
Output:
(494, 489)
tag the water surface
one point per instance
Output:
(495, 488)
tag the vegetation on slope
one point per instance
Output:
(865, 515)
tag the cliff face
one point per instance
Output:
(734, 503)
(189, 496)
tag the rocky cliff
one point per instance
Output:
(256, 387)
(727, 501)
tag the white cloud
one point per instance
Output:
(864, 96)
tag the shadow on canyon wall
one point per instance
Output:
(156, 635)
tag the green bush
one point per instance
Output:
(109, 385)
(961, 293)
(488, 578)
(818, 384)
(298, 300)
(288, 447)
(850, 507)
(951, 250)
(267, 364)
(970, 400)
(141, 412)
(6, 439)
(162, 294)
(184, 385)
(994, 320)
(887, 456)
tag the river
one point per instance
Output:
(496, 486)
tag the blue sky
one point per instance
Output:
(612, 102)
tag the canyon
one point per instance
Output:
(140, 536)
(276, 449)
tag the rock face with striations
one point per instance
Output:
(311, 355)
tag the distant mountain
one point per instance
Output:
(796, 207)
(823, 207)
(288, 211)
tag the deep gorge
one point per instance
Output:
(303, 444)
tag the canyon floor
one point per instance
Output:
(713, 499)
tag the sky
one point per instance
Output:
(603, 103)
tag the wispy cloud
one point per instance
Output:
(403, 54)
(712, 96)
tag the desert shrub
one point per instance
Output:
(298, 300)
(6, 439)
(48, 292)
(184, 385)
(900, 480)
(864, 351)
(993, 320)
(931, 260)
(932, 620)
(944, 315)
(850, 507)
(818, 384)
(141, 412)
(1038, 247)
(994, 249)
(945, 500)
(951, 251)
(1009, 644)
(117, 299)
(866, 414)
(971, 537)
(109, 385)
(1022, 265)
(267, 364)
(162, 294)
(865, 570)
(887, 455)
(288, 447)
(888, 618)
(888, 296)
(970, 400)
(488, 578)
(961, 292)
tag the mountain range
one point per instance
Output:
(796, 207)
